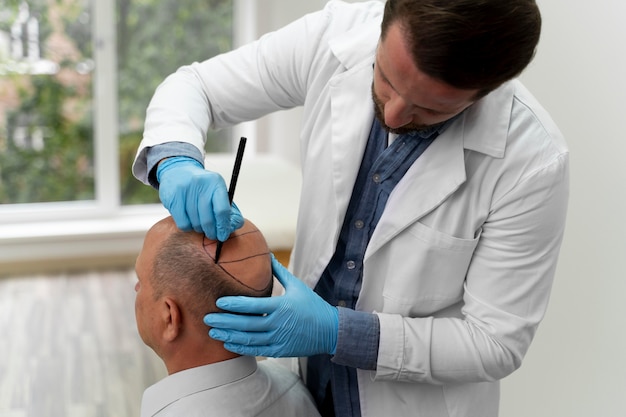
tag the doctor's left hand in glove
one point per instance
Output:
(297, 323)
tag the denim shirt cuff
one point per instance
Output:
(158, 152)
(357, 340)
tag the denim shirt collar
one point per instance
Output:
(437, 129)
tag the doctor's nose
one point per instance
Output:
(397, 113)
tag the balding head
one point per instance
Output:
(179, 282)
(184, 265)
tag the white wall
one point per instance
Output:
(577, 364)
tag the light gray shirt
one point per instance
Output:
(236, 387)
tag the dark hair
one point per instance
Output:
(468, 44)
(182, 267)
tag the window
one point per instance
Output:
(75, 79)
(95, 104)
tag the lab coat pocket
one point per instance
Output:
(426, 271)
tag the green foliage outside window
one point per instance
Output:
(61, 172)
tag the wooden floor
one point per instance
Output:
(69, 347)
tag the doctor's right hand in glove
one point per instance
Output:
(297, 323)
(196, 198)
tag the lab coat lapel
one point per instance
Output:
(440, 170)
(352, 111)
(434, 176)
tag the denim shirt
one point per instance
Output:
(381, 169)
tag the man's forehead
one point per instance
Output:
(394, 62)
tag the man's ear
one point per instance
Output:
(172, 319)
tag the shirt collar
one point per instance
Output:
(427, 132)
(193, 380)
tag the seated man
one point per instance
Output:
(177, 279)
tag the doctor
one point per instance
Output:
(433, 201)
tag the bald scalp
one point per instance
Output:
(185, 267)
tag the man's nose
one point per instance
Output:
(397, 113)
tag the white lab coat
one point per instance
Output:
(460, 266)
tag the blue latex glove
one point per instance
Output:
(297, 323)
(196, 198)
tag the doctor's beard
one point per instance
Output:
(379, 112)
